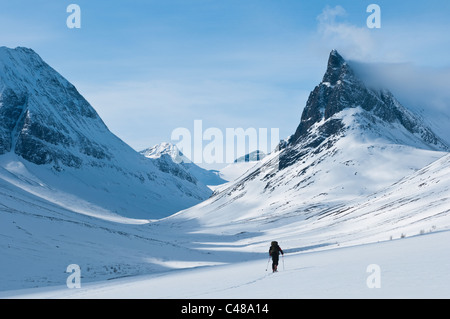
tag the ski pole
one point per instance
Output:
(268, 263)
(282, 257)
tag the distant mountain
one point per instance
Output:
(241, 165)
(169, 158)
(251, 157)
(49, 130)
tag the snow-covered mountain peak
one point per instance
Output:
(165, 148)
(379, 111)
(159, 149)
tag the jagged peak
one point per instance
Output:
(335, 57)
(337, 66)
(342, 89)
(160, 149)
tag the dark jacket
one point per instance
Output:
(275, 251)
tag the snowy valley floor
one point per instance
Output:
(415, 267)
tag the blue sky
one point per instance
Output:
(149, 67)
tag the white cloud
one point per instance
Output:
(355, 42)
(397, 41)
(329, 14)
(424, 90)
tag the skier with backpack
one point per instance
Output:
(274, 252)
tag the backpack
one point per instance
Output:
(273, 248)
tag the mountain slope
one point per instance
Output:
(53, 132)
(40, 238)
(415, 205)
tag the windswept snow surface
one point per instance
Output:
(414, 267)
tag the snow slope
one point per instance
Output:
(39, 239)
(415, 267)
(418, 203)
